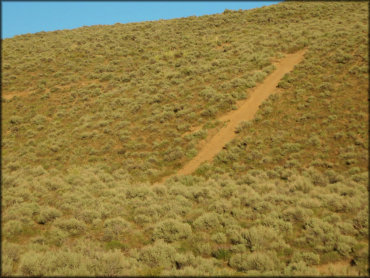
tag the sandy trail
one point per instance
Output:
(244, 113)
(17, 94)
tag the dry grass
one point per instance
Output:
(100, 120)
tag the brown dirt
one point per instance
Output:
(16, 94)
(244, 113)
(8, 96)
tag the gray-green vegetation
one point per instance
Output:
(110, 110)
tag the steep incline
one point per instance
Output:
(244, 113)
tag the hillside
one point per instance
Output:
(99, 122)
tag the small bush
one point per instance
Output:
(15, 120)
(219, 238)
(361, 222)
(207, 221)
(115, 244)
(89, 215)
(72, 226)
(34, 264)
(174, 154)
(116, 225)
(111, 263)
(300, 268)
(222, 254)
(203, 248)
(171, 230)
(244, 125)
(255, 261)
(301, 183)
(48, 214)
(38, 120)
(12, 228)
(11, 251)
(56, 236)
(309, 258)
(262, 238)
(160, 254)
(184, 260)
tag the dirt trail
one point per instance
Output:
(244, 113)
(26, 93)
(16, 94)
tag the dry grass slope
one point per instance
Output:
(93, 118)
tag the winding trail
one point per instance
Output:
(244, 113)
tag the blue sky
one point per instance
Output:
(32, 17)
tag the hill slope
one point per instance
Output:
(93, 118)
(245, 112)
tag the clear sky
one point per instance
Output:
(32, 17)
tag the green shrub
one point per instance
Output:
(111, 263)
(53, 264)
(222, 254)
(301, 183)
(39, 119)
(361, 222)
(116, 225)
(309, 258)
(300, 269)
(89, 215)
(244, 125)
(171, 230)
(11, 252)
(203, 248)
(254, 261)
(261, 261)
(219, 238)
(15, 120)
(296, 214)
(56, 236)
(160, 254)
(184, 260)
(71, 225)
(238, 248)
(330, 256)
(291, 147)
(115, 244)
(207, 221)
(13, 228)
(34, 264)
(38, 171)
(174, 154)
(344, 245)
(316, 177)
(262, 238)
(208, 112)
(234, 234)
(210, 94)
(361, 260)
(130, 115)
(48, 214)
